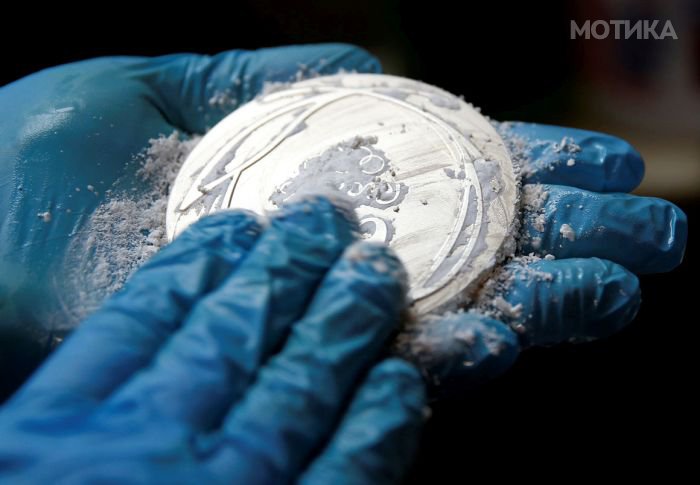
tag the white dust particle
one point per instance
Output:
(223, 100)
(465, 335)
(380, 267)
(510, 311)
(538, 222)
(570, 162)
(44, 216)
(568, 232)
(567, 145)
(91, 188)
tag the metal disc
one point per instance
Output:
(427, 174)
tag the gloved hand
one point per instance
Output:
(593, 237)
(65, 128)
(240, 353)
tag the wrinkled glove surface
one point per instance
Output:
(244, 352)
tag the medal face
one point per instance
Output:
(427, 174)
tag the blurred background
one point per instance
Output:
(620, 406)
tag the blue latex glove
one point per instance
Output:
(77, 125)
(590, 289)
(243, 352)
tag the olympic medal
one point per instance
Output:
(426, 173)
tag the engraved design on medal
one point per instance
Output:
(359, 172)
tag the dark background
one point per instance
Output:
(618, 406)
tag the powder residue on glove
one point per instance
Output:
(127, 229)
(490, 301)
(537, 155)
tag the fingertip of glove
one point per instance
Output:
(459, 351)
(399, 380)
(228, 228)
(620, 299)
(602, 162)
(660, 230)
(622, 165)
(585, 299)
(495, 346)
(625, 166)
(377, 266)
(314, 217)
(361, 298)
(673, 243)
(396, 369)
(225, 220)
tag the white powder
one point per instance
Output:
(519, 147)
(127, 229)
(44, 216)
(567, 145)
(568, 232)
(223, 100)
(303, 72)
(508, 310)
(355, 159)
(532, 203)
(553, 154)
